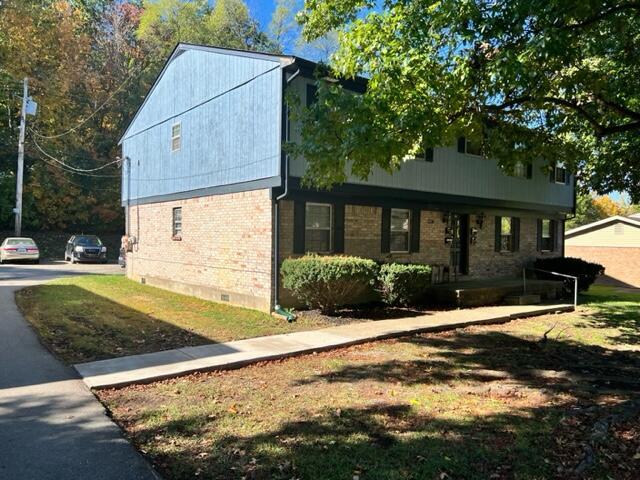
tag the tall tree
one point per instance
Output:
(90, 63)
(591, 208)
(286, 32)
(164, 23)
(528, 78)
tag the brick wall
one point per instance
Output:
(363, 226)
(225, 251)
(622, 264)
(485, 262)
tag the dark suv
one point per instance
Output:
(85, 248)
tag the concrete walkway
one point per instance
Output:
(171, 363)
(51, 425)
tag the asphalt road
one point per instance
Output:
(51, 425)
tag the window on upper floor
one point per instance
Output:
(318, 220)
(400, 226)
(470, 147)
(522, 170)
(177, 222)
(560, 174)
(312, 94)
(176, 137)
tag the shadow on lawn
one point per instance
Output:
(82, 326)
(618, 312)
(557, 387)
(490, 356)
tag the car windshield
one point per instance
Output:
(88, 241)
(20, 241)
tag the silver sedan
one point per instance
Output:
(15, 248)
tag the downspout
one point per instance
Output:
(276, 243)
(573, 211)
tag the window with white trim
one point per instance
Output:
(318, 227)
(560, 173)
(521, 170)
(176, 137)
(400, 225)
(177, 222)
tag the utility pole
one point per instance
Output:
(20, 174)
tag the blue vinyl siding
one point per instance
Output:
(230, 139)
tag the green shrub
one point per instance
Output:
(586, 272)
(403, 284)
(328, 282)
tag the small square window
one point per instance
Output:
(177, 222)
(318, 220)
(176, 137)
(399, 237)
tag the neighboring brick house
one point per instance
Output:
(214, 204)
(614, 243)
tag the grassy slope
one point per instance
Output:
(94, 317)
(483, 402)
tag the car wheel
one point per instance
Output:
(36, 262)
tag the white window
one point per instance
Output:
(177, 222)
(399, 236)
(560, 173)
(506, 234)
(521, 170)
(176, 137)
(317, 228)
(546, 240)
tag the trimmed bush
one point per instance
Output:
(403, 284)
(586, 272)
(328, 282)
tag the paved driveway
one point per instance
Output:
(51, 425)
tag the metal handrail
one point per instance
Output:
(575, 282)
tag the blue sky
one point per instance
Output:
(261, 10)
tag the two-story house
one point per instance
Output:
(214, 204)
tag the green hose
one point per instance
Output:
(288, 314)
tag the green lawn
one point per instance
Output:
(101, 316)
(478, 403)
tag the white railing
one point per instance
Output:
(575, 282)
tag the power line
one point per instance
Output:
(77, 173)
(71, 167)
(86, 119)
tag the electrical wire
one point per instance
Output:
(77, 173)
(109, 98)
(71, 167)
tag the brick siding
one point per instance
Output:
(622, 264)
(363, 225)
(225, 251)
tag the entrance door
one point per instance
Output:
(459, 257)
